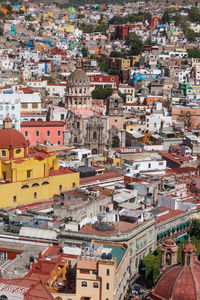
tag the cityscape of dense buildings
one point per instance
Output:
(99, 150)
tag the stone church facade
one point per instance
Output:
(86, 128)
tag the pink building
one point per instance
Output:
(40, 132)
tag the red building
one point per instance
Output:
(40, 132)
(102, 81)
(155, 21)
(122, 30)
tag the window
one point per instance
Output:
(95, 285)
(35, 184)
(115, 121)
(34, 105)
(24, 187)
(58, 142)
(149, 166)
(62, 116)
(14, 198)
(24, 105)
(84, 271)
(73, 184)
(18, 151)
(3, 152)
(107, 286)
(59, 133)
(35, 195)
(48, 133)
(94, 135)
(188, 260)
(26, 133)
(28, 173)
(84, 284)
(94, 272)
(108, 272)
(37, 133)
(60, 187)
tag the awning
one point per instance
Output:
(174, 228)
(159, 236)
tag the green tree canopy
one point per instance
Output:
(133, 40)
(193, 53)
(151, 263)
(190, 35)
(102, 93)
(116, 54)
(85, 52)
(194, 14)
(165, 18)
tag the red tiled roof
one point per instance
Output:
(102, 177)
(42, 124)
(171, 214)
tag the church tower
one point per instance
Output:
(188, 254)
(78, 93)
(169, 251)
(114, 111)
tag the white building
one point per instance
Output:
(10, 106)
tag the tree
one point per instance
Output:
(190, 35)
(103, 66)
(7, 6)
(194, 14)
(85, 52)
(133, 40)
(28, 17)
(193, 53)
(102, 27)
(165, 18)
(151, 265)
(102, 93)
(116, 54)
(1, 31)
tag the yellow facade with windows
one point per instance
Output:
(27, 175)
(22, 192)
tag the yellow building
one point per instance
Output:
(102, 275)
(27, 175)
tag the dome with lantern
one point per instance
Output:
(179, 281)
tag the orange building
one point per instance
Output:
(151, 100)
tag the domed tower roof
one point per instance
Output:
(78, 78)
(10, 137)
(114, 104)
(180, 281)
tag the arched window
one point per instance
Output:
(75, 140)
(168, 258)
(94, 135)
(45, 183)
(24, 187)
(116, 104)
(188, 260)
(95, 285)
(84, 284)
(3, 297)
(35, 184)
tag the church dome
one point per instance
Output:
(178, 282)
(78, 78)
(10, 137)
